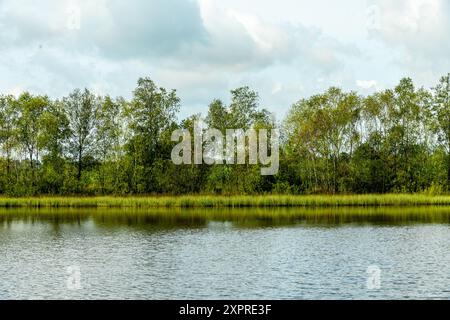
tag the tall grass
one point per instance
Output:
(208, 201)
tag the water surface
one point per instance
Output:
(225, 254)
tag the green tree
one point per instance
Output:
(150, 115)
(52, 139)
(441, 117)
(81, 108)
(406, 136)
(8, 136)
(109, 137)
(243, 113)
(29, 128)
(321, 130)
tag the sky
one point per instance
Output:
(285, 49)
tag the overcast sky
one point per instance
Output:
(284, 49)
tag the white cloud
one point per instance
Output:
(419, 29)
(205, 48)
(277, 88)
(366, 84)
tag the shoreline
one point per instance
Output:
(219, 201)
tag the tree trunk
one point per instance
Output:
(8, 163)
(80, 167)
(33, 176)
(31, 161)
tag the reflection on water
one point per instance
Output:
(240, 217)
(279, 253)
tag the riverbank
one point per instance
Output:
(368, 200)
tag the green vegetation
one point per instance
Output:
(393, 141)
(217, 201)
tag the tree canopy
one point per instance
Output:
(395, 140)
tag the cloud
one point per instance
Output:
(53, 46)
(419, 28)
(420, 25)
(199, 48)
(173, 32)
(245, 41)
(245, 49)
(366, 84)
(205, 48)
(113, 28)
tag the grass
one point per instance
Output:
(209, 201)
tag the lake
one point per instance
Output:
(346, 253)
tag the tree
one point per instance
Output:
(8, 136)
(406, 136)
(52, 140)
(150, 115)
(218, 116)
(320, 130)
(243, 113)
(81, 108)
(441, 115)
(395, 140)
(244, 108)
(29, 127)
(108, 142)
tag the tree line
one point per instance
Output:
(395, 140)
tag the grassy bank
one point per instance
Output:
(370, 200)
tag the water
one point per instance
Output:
(226, 254)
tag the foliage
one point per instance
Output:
(393, 141)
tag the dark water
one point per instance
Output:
(225, 254)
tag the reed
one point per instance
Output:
(210, 201)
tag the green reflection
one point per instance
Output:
(242, 217)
